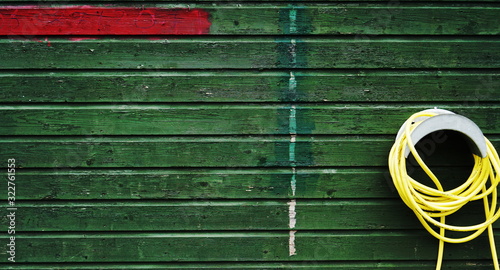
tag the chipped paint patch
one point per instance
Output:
(329, 171)
(293, 52)
(291, 243)
(292, 129)
(292, 221)
(76, 39)
(292, 214)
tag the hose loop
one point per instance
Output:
(432, 205)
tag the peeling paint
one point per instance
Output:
(291, 224)
(293, 181)
(291, 243)
(292, 130)
(292, 214)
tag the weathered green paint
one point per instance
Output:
(206, 184)
(467, 86)
(252, 53)
(239, 246)
(242, 215)
(316, 265)
(180, 153)
(347, 19)
(136, 152)
(223, 119)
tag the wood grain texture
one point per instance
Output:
(207, 184)
(468, 86)
(145, 120)
(204, 184)
(252, 53)
(226, 246)
(136, 152)
(316, 265)
(222, 119)
(249, 19)
(225, 215)
(345, 19)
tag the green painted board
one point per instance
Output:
(252, 53)
(223, 119)
(345, 19)
(207, 184)
(471, 86)
(225, 215)
(132, 152)
(239, 246)
(202, 184)
(316, 265)
(141, 120)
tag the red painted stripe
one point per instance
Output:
(88, 20)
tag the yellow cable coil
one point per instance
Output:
(433, 203)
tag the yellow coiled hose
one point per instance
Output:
(432, 204)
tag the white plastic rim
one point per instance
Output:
(447, 120)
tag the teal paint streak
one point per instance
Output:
(292, 83)
(293, 181)
(292, 125)
(291, 54)
(293, 21)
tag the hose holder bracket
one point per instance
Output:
(447, 120)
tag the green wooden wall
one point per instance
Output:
(261, 145)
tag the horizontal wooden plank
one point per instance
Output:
(204, 184)
(256, 53)
(396, 18)
(201, 184)
(133, 152)
(246, 86)
(223, 119)
(250, 19)
(224, 215)
(316, 265)
(227, 246)
(383, 119)
(142, 120)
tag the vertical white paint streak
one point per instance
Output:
(291, 243)
(292, 130)
(292, 84)
(292, 214)
(293, 181)
(292, 221)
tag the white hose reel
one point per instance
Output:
(447, 120)
(431, 205)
